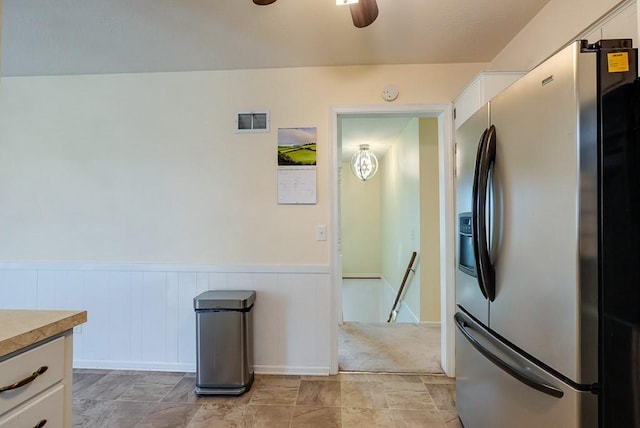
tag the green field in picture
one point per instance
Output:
(304, 154)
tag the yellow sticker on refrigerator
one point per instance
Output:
(618, 62)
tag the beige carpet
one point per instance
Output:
(389, 348)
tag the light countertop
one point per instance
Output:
(22, 328)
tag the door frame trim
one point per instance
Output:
(446, 158)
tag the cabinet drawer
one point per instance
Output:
(45, 411)
(23, 366)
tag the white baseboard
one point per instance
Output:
(361, 276)
(431, 323)
(134, 365)
(190, 368)
(292, 370)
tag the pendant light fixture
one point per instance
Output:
(364, 163)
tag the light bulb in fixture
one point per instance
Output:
(364, 163)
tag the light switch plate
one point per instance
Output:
(321, 232)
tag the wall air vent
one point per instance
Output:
(255, 121)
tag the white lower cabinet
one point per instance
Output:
(45, 411)
(35, 386)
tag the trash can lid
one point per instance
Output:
(224, 299)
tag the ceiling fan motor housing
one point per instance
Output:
(363, 13)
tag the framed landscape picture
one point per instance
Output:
(297, 146)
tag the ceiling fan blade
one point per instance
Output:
(263, 2)
(364, 12)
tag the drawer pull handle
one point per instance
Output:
(25, 381)
(40, 424)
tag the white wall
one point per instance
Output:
(141, 176)
(559, 22)
(429, 221)
(362, 300)
(400, 214)
(360, 221)
(147, 167)
(370, 300)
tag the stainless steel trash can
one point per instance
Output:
(224, 342)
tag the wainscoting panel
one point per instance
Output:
(142, 317)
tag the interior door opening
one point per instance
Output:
(380, 222)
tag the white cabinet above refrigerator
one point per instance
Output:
(482, 88)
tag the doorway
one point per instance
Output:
(375, 270)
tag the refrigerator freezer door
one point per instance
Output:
(542, 182)
(468, 293)
(487, 396)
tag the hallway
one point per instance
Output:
(389, 348)
(366, 342)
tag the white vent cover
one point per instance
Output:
(254, 121)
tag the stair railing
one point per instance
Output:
(394, 312)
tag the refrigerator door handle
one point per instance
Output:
(520, 373)
(484, 162)
(474, 217)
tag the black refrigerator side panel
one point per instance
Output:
(619, 241)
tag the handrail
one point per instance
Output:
(404, 281)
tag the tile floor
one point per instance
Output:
(105, 398)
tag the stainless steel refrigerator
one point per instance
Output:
(548, 247)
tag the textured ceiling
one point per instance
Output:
(44, 37)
